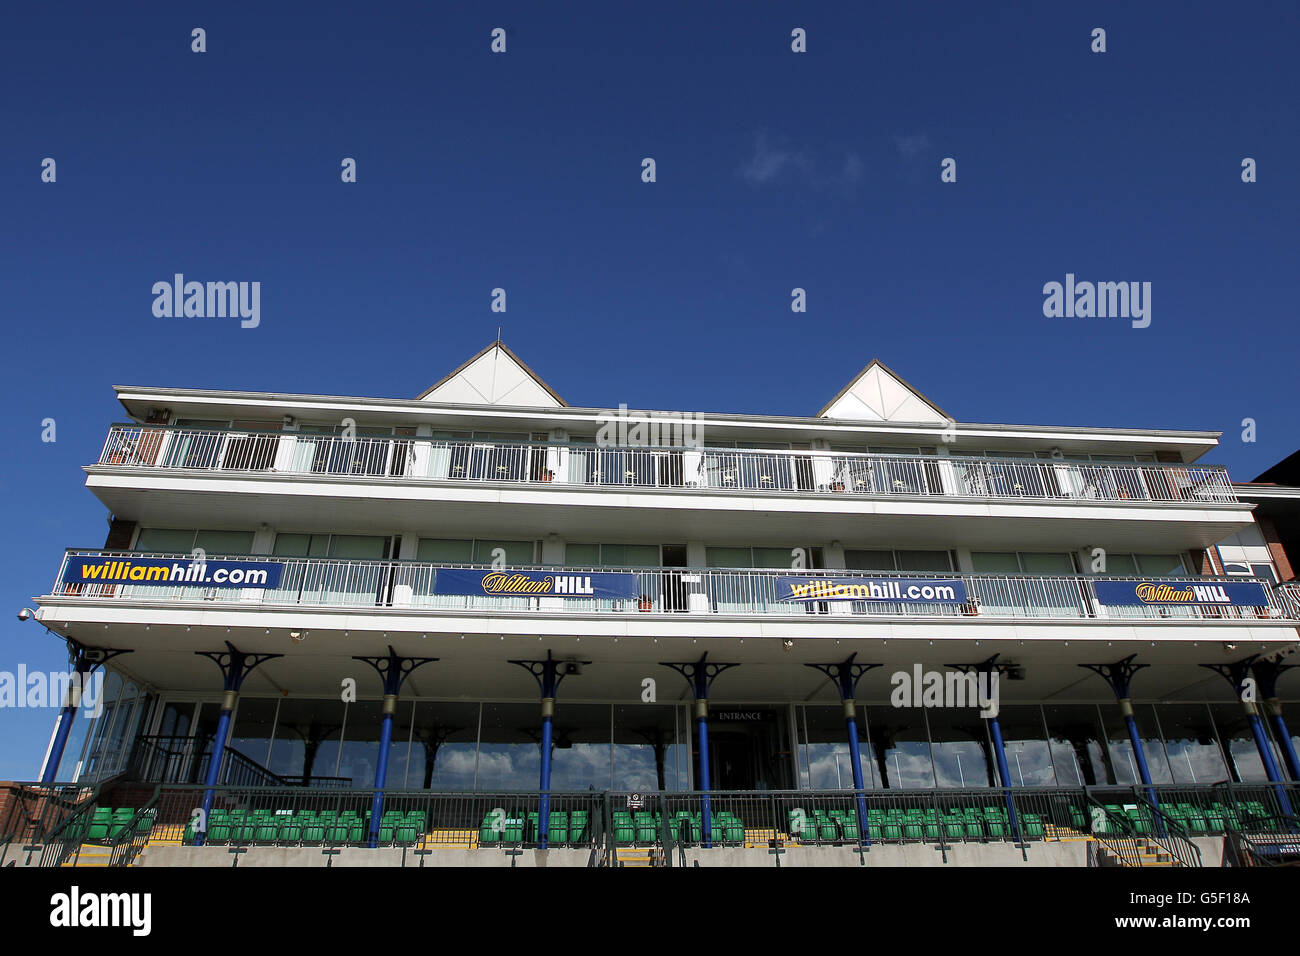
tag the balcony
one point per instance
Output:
(412, 586)
(743, 472)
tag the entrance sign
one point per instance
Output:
(897, 590)
(616, 585)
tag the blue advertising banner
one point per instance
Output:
(1125, 593)
(94, 569)
(561, 584)
(900, 590)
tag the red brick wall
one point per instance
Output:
(1280, 559)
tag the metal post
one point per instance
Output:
(1236, 674)
(83, 661)
(235, 665)
(1266, 674)
(393, 671)
(1119, 676)
(987, 669)
(846, 675)
(700, 676)
(548, 674)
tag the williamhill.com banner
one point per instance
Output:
(602, 584)
(898, 590)
(1121, 593)
(207, 574)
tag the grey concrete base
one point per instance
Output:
(892, 854)
(13, 854)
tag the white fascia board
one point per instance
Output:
(664, 626)
(383, 489)
(198, 402)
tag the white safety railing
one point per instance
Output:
(748, 471)
(325, 582)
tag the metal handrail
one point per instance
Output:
(751, 471)
(331, 582)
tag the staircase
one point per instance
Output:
(89, 854)
(639, 856)
(1148, 853)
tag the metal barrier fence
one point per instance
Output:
(329, 582)
(750, 471)
(1135, 830)
(30, 811)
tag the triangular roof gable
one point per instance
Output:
(495, 376)
(878, 394)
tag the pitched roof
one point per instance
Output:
(494, 376)
(878, 394)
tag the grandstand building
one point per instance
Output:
(485, 622)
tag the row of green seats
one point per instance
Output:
(106, 823)
(685, 825)
(897, 823)
(520, 826)
(308, 826)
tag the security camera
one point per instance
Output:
(25, 614)
(571, 667)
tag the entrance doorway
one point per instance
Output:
(749, 749)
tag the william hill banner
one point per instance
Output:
(898, 590)
(1123, 593)
(586, 584)
(206, 573)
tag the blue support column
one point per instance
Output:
(846, 675)
(548, 674)
(1266, 674)
(1237, 675)
(700, 675)
(1119, 676)
(987, 669)
(393, 671)
(235, 666)
(83, 661)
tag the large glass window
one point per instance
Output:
(254, 724)
(962, 752)
(581, 757)
(307, 738)
(1078, 751)
(1029, 756)
(1190, 745)
(509, 757)
(1238, 741)
(650, 751)
(900, 747)
(445, 747)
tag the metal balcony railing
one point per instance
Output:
(585, 465)
(326, 582)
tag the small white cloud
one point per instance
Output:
(909, 147)
(769, 161)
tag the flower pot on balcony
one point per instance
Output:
(644, 603)
(548, 476)
(971, 608)
(837, 486)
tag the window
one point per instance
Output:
(927, 561)
(1016, 562)
(183, 542)
(449, 551)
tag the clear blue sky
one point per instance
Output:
(522, 171)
